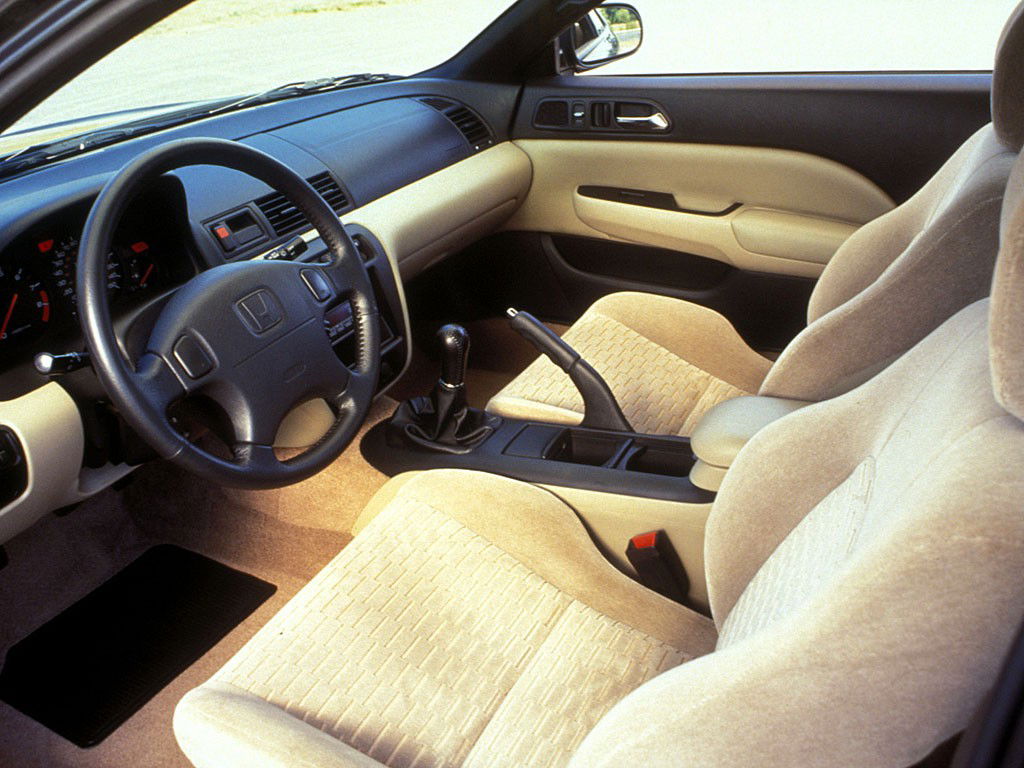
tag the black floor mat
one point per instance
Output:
(89, 669)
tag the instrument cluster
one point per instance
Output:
(37, 285)
(38, 272)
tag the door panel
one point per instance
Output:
(764, 175)
(765, 210)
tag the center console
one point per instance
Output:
(626, 463)
(602, 454)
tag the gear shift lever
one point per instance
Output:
(454, 341)
(443, 421)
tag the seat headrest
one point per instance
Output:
(1006, 313)
(1008, 82)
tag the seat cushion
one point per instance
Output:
(667, 362)
(444, 634)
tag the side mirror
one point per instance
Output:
(606, 33)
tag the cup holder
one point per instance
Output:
(577, 447)
(655, 459)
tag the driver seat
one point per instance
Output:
(863, 561)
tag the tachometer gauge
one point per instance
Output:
(25, 308)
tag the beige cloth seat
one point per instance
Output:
(889, 285)
(863, 561)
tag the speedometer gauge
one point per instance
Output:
(64, 266)
(25, 307)
(63, 257)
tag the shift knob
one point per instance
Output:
(454, 341)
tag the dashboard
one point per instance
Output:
(416, 168)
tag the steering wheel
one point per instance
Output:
(249, 335)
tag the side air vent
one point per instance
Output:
(466, 120)
(285, 218)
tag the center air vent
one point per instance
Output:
(285, 218)
(466, 120)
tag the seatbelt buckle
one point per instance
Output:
(657, 565)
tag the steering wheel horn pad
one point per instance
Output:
(249, 335)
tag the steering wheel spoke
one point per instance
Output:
(158, 383)
(257, 457)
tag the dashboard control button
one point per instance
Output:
(224, 236)
(192, 357)
(317, 284)
(295, 248)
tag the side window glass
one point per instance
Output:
(689, 37)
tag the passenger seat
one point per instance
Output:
(890, 284)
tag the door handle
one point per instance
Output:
(655, 121)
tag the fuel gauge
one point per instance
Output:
(141, 270)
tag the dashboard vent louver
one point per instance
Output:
(285, 218)
(468, 122)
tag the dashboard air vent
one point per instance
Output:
(285, 218)
(468, 122)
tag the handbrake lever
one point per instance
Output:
(600, 409)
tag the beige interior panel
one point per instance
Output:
(47, 423)
(800, 201)
(441, 213)
(789, 235)
(707, 476)
(613, 519)
(304, 425)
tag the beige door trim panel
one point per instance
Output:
(439, 214)
(789, 235)
(796, 208)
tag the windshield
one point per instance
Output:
(216, 49)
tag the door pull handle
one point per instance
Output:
(656, 121)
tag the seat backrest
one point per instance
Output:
(864, 561)
(900, 276)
